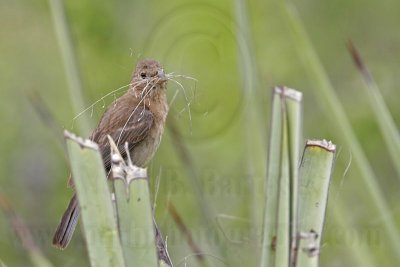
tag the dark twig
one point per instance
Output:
(359, 62)
(185, 231)
(22, 231)
(162, 250)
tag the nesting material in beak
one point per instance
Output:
(161, 76)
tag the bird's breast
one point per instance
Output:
(143, 152)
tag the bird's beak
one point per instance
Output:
(161, 75)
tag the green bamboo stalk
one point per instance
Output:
(90, 181)
(383, 117)
(327, 95)
(272, 184)
(283, 236)
(135, 218)
(294, 120)
(281, 194)
(287, 207)
(315, 173)
(70, 65)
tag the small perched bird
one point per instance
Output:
(138, 118)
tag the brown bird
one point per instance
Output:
(138, 118)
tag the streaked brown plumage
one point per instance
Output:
(138, 117)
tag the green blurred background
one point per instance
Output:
(237, 50)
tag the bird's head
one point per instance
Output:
(148, 76)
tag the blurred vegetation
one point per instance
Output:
(237, 51)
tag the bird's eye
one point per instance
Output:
(143, 75)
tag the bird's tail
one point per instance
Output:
(66, 227)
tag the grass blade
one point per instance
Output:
(186, 233)
(188, 163)
(315, 173)
(90, 181)
(2, 264)
(38, 260)
(252, 120)
(24, 235)
(69, 60)
(383, 117)
(362, 254)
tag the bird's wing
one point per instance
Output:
(134, 130)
